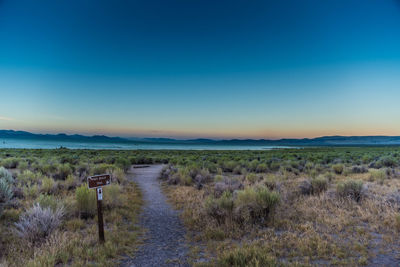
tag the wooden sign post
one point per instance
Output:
(98, 181)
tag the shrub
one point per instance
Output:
(255, 205)
(378, 176)
(253, 256)
(102, 168)
(31, 190)
(351, 189)
(70, 182)
(338, 168)
(388, 161)
(220, 209)
(305, 187)
(47, 201)
(229, 166)
(63, 171)
(10, 163)
(319, 185)
(118, 175)
(123, 163)
(218, 178)
(5, 174)
(112, 196)
(28, 176)
(262, 167)
(86, 201)
(252, 178)
(359, 169)
(6, 193)
(38, 223)
(48, 185)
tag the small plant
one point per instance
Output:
(31, 190)
(10, 163)
(338, 168)
(251, 178)
(218, 178)
(70, 182)
(48, 185)
(319, 185)
(38, 223)
(123, 163)
(252, 256)
(378, 176)
(5, 174)
(6, 190)
(351, 189)
(63, 171)
(119, 176)
(112, 196)
(262, 167)
(254, 205)
(86, 201)
(220, 208)
(47, 201)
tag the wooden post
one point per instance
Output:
(99, 194)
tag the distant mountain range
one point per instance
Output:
(319, 141)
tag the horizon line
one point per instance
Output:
(194, 138)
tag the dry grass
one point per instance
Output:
(319, 229)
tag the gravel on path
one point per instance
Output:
(164, 241)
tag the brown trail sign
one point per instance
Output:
(98, 181)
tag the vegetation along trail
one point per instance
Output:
(164, 243)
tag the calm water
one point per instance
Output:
(19, 143)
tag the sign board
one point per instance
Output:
(99, 180)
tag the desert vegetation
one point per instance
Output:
(290, 207)
(294, 207)
(48, 214)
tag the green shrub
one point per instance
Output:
(377, 176)
(5, 174)
(218, 178)
(254, 205)
(119, 176)
(86, 201)
(252, 256)
(319, 184)
(6, 192)
(29, 176)
(221, 208)
(262, 167)
(102, 168)
(48, 185)
(252, 178)
(47, 201)
(351, 189)
(10, 163)
(70, 182)
(123, 163)
(338, 168)
(31, 190)
(112, 196)
(229, 166)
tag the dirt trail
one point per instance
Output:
(164, 243)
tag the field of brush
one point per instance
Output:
(291, 207)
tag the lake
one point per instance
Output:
(51, 144)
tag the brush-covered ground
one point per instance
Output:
(292, 207)
(296, 207)
(48, 216)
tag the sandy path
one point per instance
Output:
(164, 243)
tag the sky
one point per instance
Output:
(200, 68)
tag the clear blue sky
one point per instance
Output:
(222, 69)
